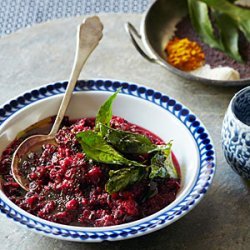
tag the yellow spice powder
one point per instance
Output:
(184, 54)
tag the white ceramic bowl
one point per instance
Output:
(146, 107)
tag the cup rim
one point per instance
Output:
(236, 95)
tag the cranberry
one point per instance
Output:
(49, 207)
(63, 217)
(72, 204)
(33, 176)
(130, 207)
(105, 221)
(94, 175)
(84, 201)
(32, 200)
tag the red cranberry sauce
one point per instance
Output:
(67, 189)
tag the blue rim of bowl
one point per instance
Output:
(183, 114)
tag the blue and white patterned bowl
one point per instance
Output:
(236, 133)
(146, 107)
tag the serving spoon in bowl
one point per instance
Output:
(89, 34)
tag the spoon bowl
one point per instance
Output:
(31, 144)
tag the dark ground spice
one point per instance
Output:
(214, 57)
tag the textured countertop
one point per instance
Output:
(44, 53)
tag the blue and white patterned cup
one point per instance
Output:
(236, 133)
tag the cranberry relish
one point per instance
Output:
(67, 188)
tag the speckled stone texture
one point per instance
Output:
(44, 53)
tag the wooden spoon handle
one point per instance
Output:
(88, 36)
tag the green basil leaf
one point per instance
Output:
(229, 18)
(198, 13)
(162, 165)
(122, 178)
(240, 16)
(157, 166)
(127, 142)
(166, 148)
(130, 143)
(104, 114)
(169, 165)
(229, 35)
(97, 149)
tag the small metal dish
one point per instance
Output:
(158, 19)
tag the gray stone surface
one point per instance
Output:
(44, 53)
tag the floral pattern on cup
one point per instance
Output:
(236, 133)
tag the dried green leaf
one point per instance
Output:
(229, 19)
(127, 142)
(240, 16)
(130, 143)
(97, 149)
(104, 114)
(122, 178)
(162, 165)
(198, 13)
(229, 35)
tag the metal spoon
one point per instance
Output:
(88, 36)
